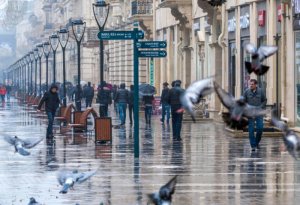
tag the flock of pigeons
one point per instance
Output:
(239, 110)
(237, 117)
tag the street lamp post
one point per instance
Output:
(36, 57)
(101, 11)
(31, 71)
(46, 49)
(78, 28)
(40, 54)
(27, 60)
(63, 35)
(54, 44)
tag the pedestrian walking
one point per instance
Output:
(255, 96)
(104, 99)
(2, 92)
(164, 101)
(122, 99)
(114, 93)
(131, 103)
(176, 109)
(78, 97)
(88, 94)
(52, 102)
(8, 91)
(148, 100)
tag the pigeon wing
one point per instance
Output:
(154, 198)
(82, 177)
(9, 139)
(278, 123)
(266, 51)
(22, 151)
(252, 111)
(226, 99)
(171, 185)
(28, 143)
(262, 70)
(248, 66)
(250, 48)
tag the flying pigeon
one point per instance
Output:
(290, 138)
(194, 93)
(239, 110)
(164, 196)
(32, 201)
(67, 179)
(258, 56)
(21, 145)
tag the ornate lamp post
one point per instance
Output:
(40, 54)
(30, 59)
(101, 11)
(54, 44)
(27, 58)
(46, 49)
(78, 28)
(36, 57)
(63, 35)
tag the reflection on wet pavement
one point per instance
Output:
(213, 168)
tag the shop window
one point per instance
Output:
(262, 80)
(232, 68)
(245, 77)
(297, 71)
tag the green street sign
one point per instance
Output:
(120, 35)
(152, 54)
(152, 44)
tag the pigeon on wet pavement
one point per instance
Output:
(32, 201)
(22, 144)
(239, 110)
(258, 56)
(290, 138)
(68, 179)
(194, 93)
(164, 196)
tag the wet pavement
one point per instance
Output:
(213, 167)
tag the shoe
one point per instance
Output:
(161, 120)
(253, 149)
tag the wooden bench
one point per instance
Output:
(66, 113)
(29, 99)
(36, 102)
(80, 119)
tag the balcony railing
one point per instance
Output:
(141, 7)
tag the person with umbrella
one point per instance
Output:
(104, 99)
(121, 99)
(176, 109)
(147, 91)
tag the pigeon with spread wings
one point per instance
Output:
(194, 93)
(239, 110)
(257, 57)
(164, 196)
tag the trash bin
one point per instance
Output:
(103, 130)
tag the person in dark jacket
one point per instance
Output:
(88, 94)
(104, 99)
(114, 93)
(164, 101)
(52, 102)
(131, 102)
(148, 108)
(8, 91)
(176, 107)
(121, 99)
(78, 97)
(255, 96)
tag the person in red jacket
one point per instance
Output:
(2, 92)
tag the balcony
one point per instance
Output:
(142, 11)
(174, 3)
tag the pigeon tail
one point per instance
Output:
(23, 152)
(262, 70)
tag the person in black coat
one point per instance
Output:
(52, 102)
(88, 94)
(121, 99)
(131, 102)
(176, 109)
(164, 101)
(148, 108)
(104, 99)
(78, 97)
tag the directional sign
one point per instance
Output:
(120, 35)
(152, 54)
(152, 44)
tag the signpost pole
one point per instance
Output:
(136, 95)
